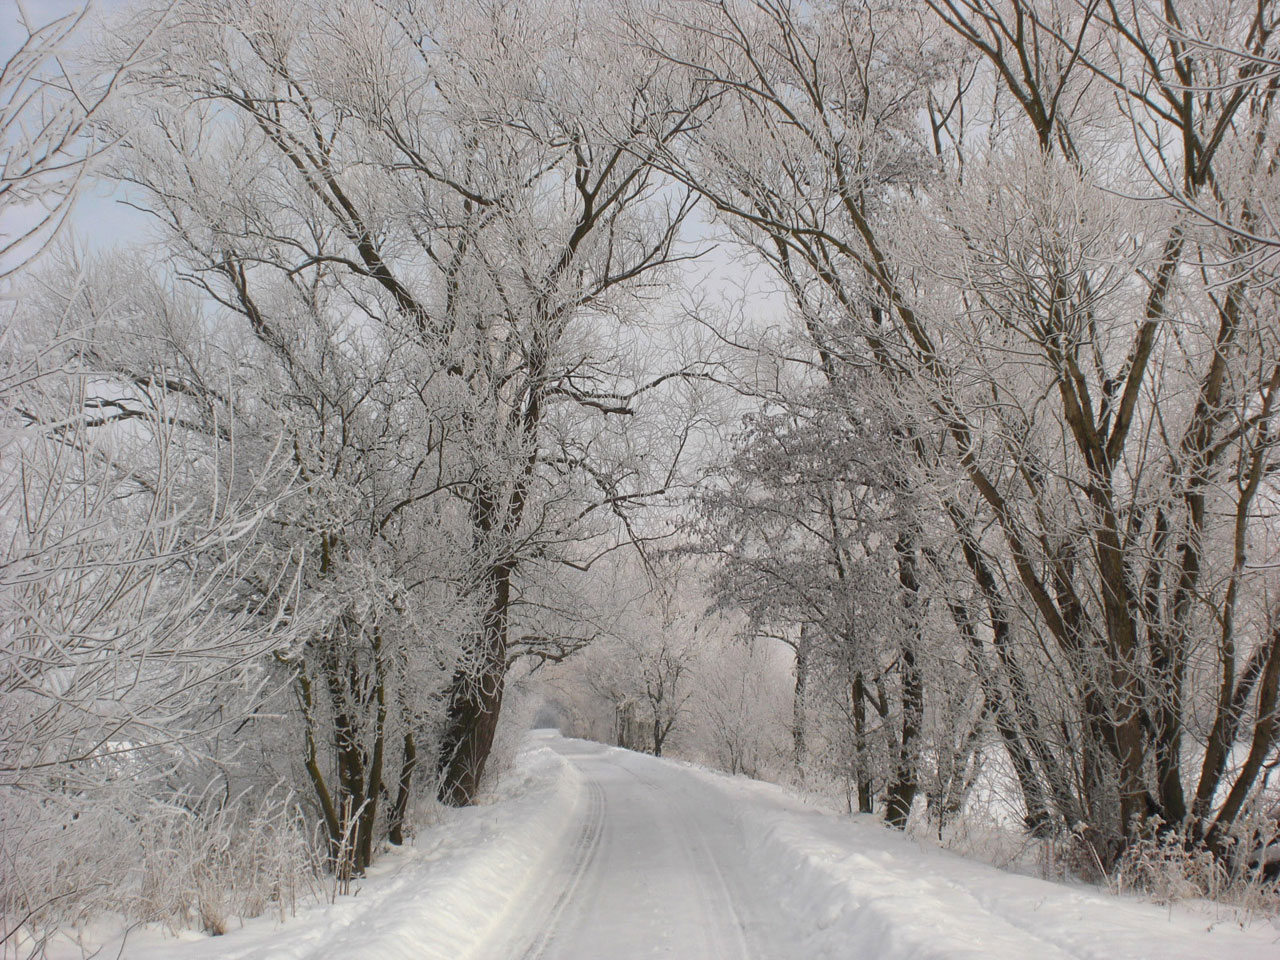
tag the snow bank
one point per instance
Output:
(436, 900)
(867, 891)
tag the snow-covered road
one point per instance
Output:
(587, 852)
(655, 866)
(664, 859)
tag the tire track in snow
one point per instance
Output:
(581, 857)
(717, 898)
(723, 895)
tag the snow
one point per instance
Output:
(658, 868)
(856, 882)
(435, 900)
(590, 851)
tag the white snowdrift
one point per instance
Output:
(862, 890)
(437, 900)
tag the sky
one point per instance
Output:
(96, 217)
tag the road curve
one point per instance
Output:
(654, 866)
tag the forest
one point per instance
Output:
(877, 395)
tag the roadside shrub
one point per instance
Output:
(200, 860)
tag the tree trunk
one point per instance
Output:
(798, 698)
(476, 700)
(1265, 730)
(400, 807)
(861, 773)
(902, 791)
(1034, 801)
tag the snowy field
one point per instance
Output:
(589, 851)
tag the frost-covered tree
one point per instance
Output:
(464, 202)
(133, 641)
(639, 671)
(740, 702)
(130, 644)
(1083, 372)
(815, 541)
